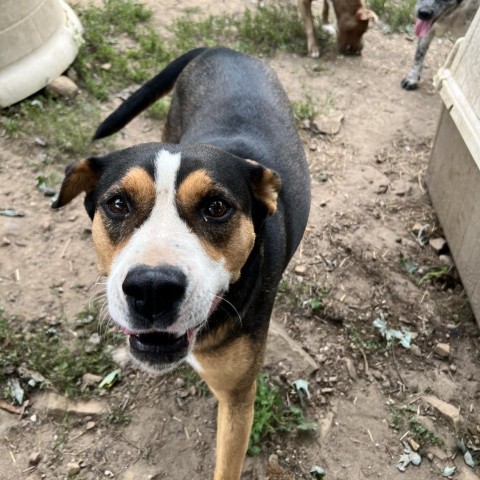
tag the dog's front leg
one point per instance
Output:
(230, 372)
(234, 423)
(410, 82)
(305, 9)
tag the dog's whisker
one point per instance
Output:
(222, 307)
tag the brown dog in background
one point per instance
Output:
(352, 18)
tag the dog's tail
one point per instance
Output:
(146, 95)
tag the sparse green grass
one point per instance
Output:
(403, 419)
(273, 415)
(118, 417)
(305, 297)
(50, 352)
(122, 48)
(398, 14)
(363, 341)
(159, 110)
(63, 432)
(259, 31)
(192, 379)
(66, 127)
(304, 109)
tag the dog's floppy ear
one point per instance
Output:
(81, 176)
(364, 14)
(266, 185)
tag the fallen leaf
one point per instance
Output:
(111, 379)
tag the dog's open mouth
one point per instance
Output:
(161, 350)
(422, 27)
(158, 342)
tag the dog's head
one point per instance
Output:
(429, 11)
(352, 29)
(172, 228)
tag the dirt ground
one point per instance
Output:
(368, 186)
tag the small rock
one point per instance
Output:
(40, 142)
(328, 124)
(91, 425)
(400, 188)
(34, 458)
(90, 380)
(121, 356)
(73, 468)
(300, 269)
(56, 405)
(179, 382)
(439, 245)
(305, 124)
(312, 147)
(450, 412)
(325, 425)
(415, 349)
(430, 457)
(415, 446)
(381, 189)
(442, 350)
(446, 260)
(351, 368)
(416, 228)
(63, 87)
(92, 343)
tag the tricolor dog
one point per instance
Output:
(433, 15)
(195, 233)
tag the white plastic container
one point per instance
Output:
(39, 39)
(453, 176)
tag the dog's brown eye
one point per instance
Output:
(216, 209)
(118, 206)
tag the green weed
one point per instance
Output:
(362, 341)
(120, 47)
(159, 110)
(273, 415)
(422, 434)
(63, 431)
(192, 379)
(118, 417)
(48, 351)
(261, 31)
(306, 297)
(440, 273)
(403, 418)
(304, 109)
(398, 14)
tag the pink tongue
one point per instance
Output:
(422, 27)
(126, 331)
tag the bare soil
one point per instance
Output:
(368, 185)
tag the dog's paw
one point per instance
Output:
(409, 84)
(330, 29)
(314, 52)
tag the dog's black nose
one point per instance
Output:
(155, 292)
(425, 13)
